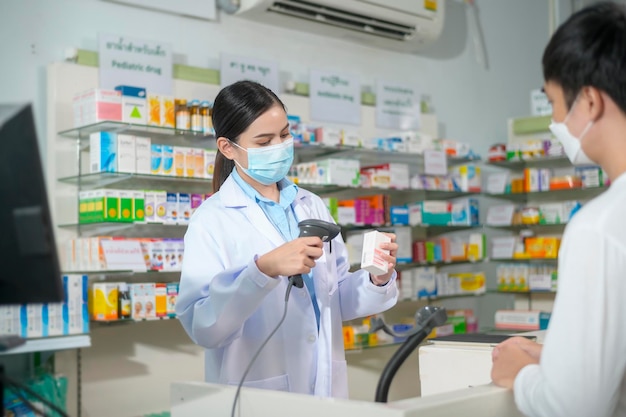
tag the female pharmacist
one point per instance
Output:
(242, 244)
(580, 369)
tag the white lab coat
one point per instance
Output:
(229, 307)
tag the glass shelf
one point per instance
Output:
(403, 266)
(129, 229)
(434, 229)
(138, 181)
(147, 274)
(169, 135)
(537, 228)
(574, 193)
(441, 297)
(52, 343)
(546, 162)
(523, 260)
(418, 194)
(529, 292)
(361, 153)
(128, 321)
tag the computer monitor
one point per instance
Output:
(29, 264)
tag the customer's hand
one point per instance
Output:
(292, 258)
(509, 357)
(392, 247)
(527, 345)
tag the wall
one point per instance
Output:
(472, 104)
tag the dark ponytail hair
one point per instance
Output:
(236, 107)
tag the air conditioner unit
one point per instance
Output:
(400, 25)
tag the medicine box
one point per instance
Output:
(425, 282)
(150, 206)
(139, 210)
(103, 301)
(106, 206)
(172, 295)
(343, 172)
(190, 163)
(150, 301)
(167, 112)
(179, 153)
(160, 206)
(464, 212)
(372, 260)
(400, 215)
(436, 213)
(172, 215)
(154, 111)
(126, 206)
(184, 208)
(103, 156)
(167, 160)
(75, 305)
(198, 162)
(134, 104)
(209, 163)
(126, 156)
(467, 178)
(156, 159)
(518, 320)
(137, 301)
(97, 105)
(143, 155)
(160, 294)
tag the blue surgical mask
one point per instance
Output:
(268, 164)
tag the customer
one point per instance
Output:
(242, 244)
(580, 369)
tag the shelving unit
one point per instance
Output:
(581, 193)
(47, 344)
(539, 299)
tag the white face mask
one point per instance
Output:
(571, 144)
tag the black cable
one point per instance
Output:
(291, 283)
(25, 400)
(13, 383)
(398, 358)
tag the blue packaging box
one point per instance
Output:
(130, 91)
(400, 215)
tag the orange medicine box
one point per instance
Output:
(543, 247)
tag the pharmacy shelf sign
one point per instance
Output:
(238, 68)
(335, 97)
(397, 106)
(135, 62)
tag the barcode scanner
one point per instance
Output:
(313, 227)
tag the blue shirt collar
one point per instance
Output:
(288, 190)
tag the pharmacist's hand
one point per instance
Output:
(531, 348)
(392, 247)
(508, 360)
(292, 258)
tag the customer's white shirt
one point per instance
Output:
(584, 355)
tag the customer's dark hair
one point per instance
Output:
(589, 49)
(236, 107)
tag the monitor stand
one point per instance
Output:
(10, 342)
